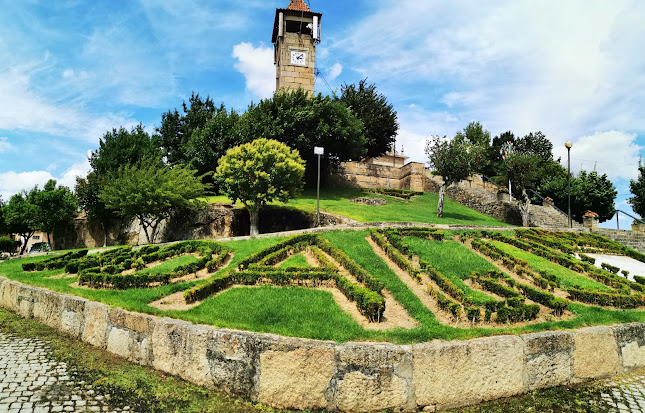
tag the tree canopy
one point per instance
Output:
(56, 205)
(452, 159)
(259, 172)
(303, 122)
(379, 118)
(522, 169)
(21, 217)
(637, 188)
(122, 147)
(151, 191)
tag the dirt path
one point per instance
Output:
(420, 289)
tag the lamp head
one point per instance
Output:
(568, 144)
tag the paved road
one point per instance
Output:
(31, 381)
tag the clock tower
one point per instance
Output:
(296, 32)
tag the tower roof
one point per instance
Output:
(298, 5)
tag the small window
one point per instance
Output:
(299, 27)
(36, 237)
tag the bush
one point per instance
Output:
(8, 245)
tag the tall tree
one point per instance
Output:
(177, 128)
(259, 172)
(21, 216)
(536, 144)
(55, 206)
(589, 192)
(122, 147)
(151, 191)
(303, 122)
(522, 169)
(3, 224)
(637, 188)
(377, 114)
(452, 159)
(87, 192)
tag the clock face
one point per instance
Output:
(298, 58)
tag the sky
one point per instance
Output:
(71, 70)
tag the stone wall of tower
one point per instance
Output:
(290, 76)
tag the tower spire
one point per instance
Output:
(298, 5)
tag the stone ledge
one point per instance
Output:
(307, 374)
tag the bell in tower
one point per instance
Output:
(295, 34)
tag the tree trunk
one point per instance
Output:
(104, 233)
(254, 215)
(144, 224)
(442, 190)
(524, 208)
(49, 241)
(27, 237)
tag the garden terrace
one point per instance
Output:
(402, 285)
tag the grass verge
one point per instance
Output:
(141, 388)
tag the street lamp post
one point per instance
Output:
(318, 151)
(568, 145)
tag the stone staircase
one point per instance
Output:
(482, 197)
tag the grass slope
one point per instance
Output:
(421, 208)
(308, 313)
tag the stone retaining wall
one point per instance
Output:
(300, 373)
(633, 239)
(369, 175)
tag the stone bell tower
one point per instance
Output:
(296, 32)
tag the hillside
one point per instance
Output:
(400, 285)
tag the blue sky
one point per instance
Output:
(70, 70)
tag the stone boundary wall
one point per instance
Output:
(633, 239)
(299, 373)
(366, 175)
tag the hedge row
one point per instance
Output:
(309, 239)
(255, 269)
(54, 263)
(544, 298)
(395, 255)
(444, 282)
(398, 193)
(523, 312)
(492, 285)
(93, 274)
(422, 232)
(447, 304)
(606, 299)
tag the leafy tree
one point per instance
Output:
(303, 122)
(536, 144)
(177, 129)
(122, 147)
(589, 192)
(378, 116)
(21, 216)
(476, 134)
(260, 172)
(7, 245)
(452, 160)
(209, 143)
(523, 170)
(494, 166)
(151, 191)
(87, 193)
(637, 188)
(55, 206)
(3, 225)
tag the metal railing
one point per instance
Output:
(486, 179)
(629, 215)
(548, 202)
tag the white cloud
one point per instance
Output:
(256, 64)
(614, 153)
(334, 71)
(23, 107)
(11, 182)
(566, 68)
(5, 145)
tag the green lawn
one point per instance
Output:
(421, 208)
(297, 260)
(453, 260)
(301, 312)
